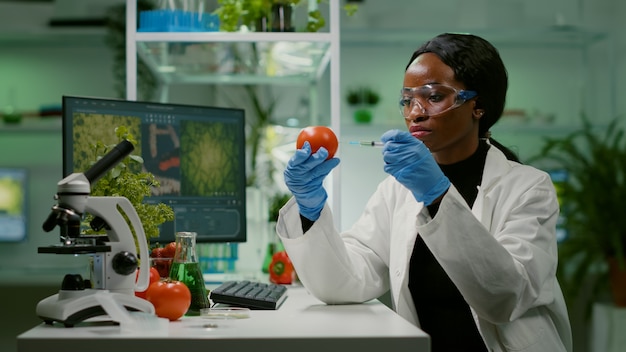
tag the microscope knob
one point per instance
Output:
(124, 263)
(73, 282)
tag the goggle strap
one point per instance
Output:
(467, 94)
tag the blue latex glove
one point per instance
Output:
(411, 163)
(304, 175)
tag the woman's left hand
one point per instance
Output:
(411, 163)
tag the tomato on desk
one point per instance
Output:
(154, 277)
(170, 298)
(281, 269)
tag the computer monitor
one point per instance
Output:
(196, 152)
(13, 197)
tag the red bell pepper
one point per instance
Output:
(281, 269)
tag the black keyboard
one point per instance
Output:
(249, 294)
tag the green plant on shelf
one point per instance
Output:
(362, 96)
(362, 99)
(233, 13)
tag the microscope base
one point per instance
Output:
(73, 307)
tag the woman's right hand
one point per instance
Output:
(304, 176)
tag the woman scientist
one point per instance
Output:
(461, 233)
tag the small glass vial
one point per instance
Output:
(186, 268)
(282, 18)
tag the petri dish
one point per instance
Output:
(225, 313)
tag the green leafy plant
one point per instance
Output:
(591, 204)
(362, 99)
(232, 13)
(362, 96)
(127, 180)
(316, 21)
(276, 203)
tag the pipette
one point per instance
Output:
(375, 144)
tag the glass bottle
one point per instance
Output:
(186, 268)
(282, 18)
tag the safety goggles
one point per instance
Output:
(432, 99)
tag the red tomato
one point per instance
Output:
(319, 136)
(170, 298)
(154, 277)
(162, 265)
(157, 253)
(169, 250)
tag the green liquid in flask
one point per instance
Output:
(191, 275)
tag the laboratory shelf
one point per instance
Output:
(276, 58)
(244, 62)
(231, 37)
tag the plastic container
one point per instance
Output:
(177, 21)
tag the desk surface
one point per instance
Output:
(302, 323)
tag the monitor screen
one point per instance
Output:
(197, 153)
(12, 204)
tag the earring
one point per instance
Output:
(480, 113)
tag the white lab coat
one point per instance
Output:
(501, 254)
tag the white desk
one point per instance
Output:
(301, 324)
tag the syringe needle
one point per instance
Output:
(375, 144)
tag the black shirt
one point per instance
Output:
(441, 309)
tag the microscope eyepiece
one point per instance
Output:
(109, 160)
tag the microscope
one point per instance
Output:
(114, 262)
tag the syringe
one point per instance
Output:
(376, 144)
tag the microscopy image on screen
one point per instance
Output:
(161, 155)
(210, 167)
(12, 204)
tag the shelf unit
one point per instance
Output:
(299, 61)
(52, 37)
(326, 56)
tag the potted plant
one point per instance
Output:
(592, 207)
(362, 99)
(127, 179)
